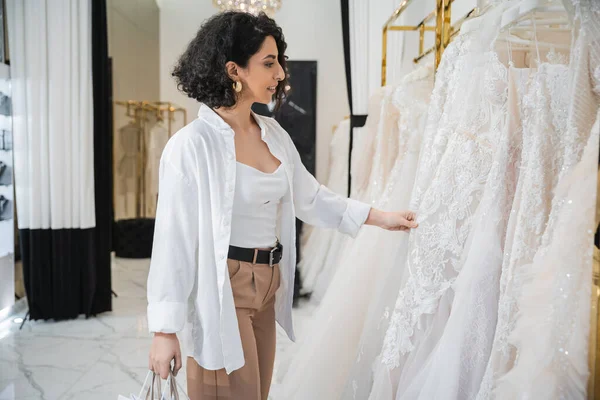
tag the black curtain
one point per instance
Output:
(58, 271)
(67, 271)
(103, 157)
(356, 121)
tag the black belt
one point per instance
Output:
(256, 256)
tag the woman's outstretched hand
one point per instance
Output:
(392, 221)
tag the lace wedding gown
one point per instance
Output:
(323, 358)
(433, 141)
(543, 125)
(555, 297)
(439, 354)
(466, 143)
(555, 303)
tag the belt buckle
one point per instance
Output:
(277, 247)
(272, 256)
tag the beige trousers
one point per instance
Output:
(254, 287)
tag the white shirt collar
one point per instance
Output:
(214, 119)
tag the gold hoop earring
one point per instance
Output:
(237, 86)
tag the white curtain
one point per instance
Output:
(358, 15)
(395, 52)
(359, 55)
(53, 112)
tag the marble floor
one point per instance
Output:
(97, 358)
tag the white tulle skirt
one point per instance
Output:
(452, 345)
(324, 356)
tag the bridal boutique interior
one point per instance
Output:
(479, 115)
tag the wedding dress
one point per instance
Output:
(555, 303)
(338, 150)
(319, 265)
(323, 358)
(319, 241)
(433, 142)
(544, 124)
(418, 352)
(363, 150)
(555, 298)
(383, 130)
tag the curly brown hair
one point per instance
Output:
(200, 72)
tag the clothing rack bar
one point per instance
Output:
(424, 54)
(421, 27)
(396, 14)
(448, 32)
(411, 28)
(428, 18)
(440, 10)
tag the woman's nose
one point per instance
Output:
(280, 74)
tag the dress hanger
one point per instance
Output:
(526, 43)
(534, 15)
(549, 15)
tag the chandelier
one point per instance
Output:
(251, 6)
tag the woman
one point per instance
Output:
(231, 185)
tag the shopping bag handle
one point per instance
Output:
(139, 397)
(171, 386)
(156, 384)
(155, 388)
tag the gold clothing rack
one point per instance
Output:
(448, 31)
(389, 26)
(158, 108)
(140, 112)
(443, 29)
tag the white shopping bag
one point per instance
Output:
(151, 389)
(145, 388)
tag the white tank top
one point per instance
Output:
(255, 205)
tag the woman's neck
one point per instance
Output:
(238, 117)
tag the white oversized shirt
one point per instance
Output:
(189, 292)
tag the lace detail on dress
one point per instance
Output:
(434, 140)
(433, 146)
(554, 57)
(555, 302)
(585, 11)
(544, 123)
(447, 205)
(412, 99)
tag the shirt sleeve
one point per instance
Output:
(317, 205)
(173, 267)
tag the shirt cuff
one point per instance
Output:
(166, 317)
(355, 216)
